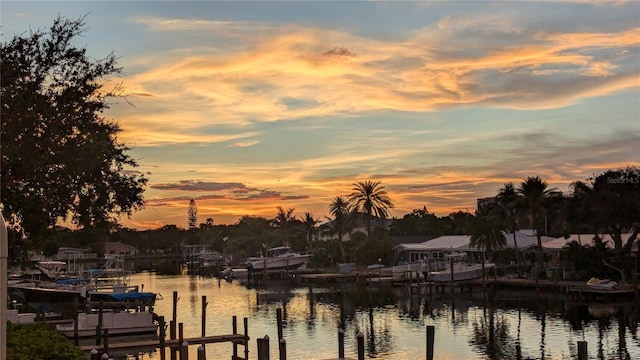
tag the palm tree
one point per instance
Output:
(508, 201)
(370, 198)
(340, 223)
(309, 223)
(535, 193)
(283, 221)
(487, 233)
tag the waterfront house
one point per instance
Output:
(526, 242)
(554, 247)
(77, 259)
(118, 248)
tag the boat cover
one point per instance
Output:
(132, 296)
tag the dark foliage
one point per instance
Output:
(60, 158)
(39, 341)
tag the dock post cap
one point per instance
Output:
(105, 356)
(340, 331)
(93, 352)
(360, 334)
(283, 341)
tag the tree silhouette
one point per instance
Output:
(309, 223)
(341, 222)
(192, 215)
(508, 201)
(370, 198)
(535, 194)
(283, 222)
(60, 157)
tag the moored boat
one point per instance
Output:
(278, 258)
(123, 323)
(456, 268)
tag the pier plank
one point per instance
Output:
(239, 338)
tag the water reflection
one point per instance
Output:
(503, 325)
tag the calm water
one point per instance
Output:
(394, 322)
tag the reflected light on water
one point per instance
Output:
(392, 321)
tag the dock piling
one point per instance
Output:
(283, 349)
(105, 333)
(582, 350)
(279, 322)
(246, 337)
(162, 337)
(184, 350)
(201, 353)
(263, 348)
(431, 330)
(94, 355)
(172, 325)
(340, 343)
(204, 315)
(360, 337)
(234, 322)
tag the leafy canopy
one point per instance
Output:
(61, 158)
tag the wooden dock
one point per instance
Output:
(584, 293)
(332, 277)
(171, 343)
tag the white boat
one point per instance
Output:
(52, 270)
(407, 271)
(462, 269)
(123, 323)
(281, 257)
(235, 274)
(604, 284)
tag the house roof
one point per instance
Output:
(585, 239)
(118, 243)
(440, 243)
(524, 238)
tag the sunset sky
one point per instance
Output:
(247, 106)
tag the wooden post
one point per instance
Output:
(162, 335)
(246, 336)
(204, 315)
(451, 267)
(172, 336)
(99, 327)
(582, 350)
(201, 353)
(75, 322)
(283, 349)
(184, 350)
(340, 343)
(94, 355)
(263, 348)
(360, 337)
(75, 328)
(173, 324)
(234, 323)
(180, 334)
(279, 322)
(106, 340)
(431, 331)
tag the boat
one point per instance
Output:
(604, 284)
(231, 273)
(124, 323)
(277, 258)
(51, 269)
(462, 269)
(108, 285)
(205, 262)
